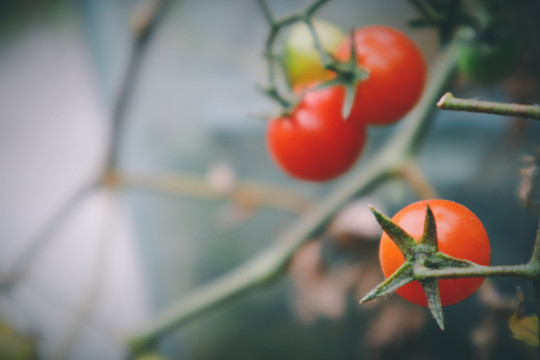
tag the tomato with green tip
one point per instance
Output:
(302, 60)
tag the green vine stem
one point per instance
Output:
(449, 102)
(272, 262)
(529, 271)
(275, 26)
(348, 73)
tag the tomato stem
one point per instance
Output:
(348, 73)
(276, 25)
(449, 102)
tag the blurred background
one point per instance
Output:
(120, 257)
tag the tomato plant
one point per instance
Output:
(302, 60)
(460, 234)
(397, 74)
(314, 142)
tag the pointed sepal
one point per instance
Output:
(431, 289)
(400, 237)
(350, 94)
(400, 277)
(429, 237)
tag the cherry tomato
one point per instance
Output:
(460, 234)
(315, 143)
(397, 74)
(302, 60)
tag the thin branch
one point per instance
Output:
(274, 260)
(312, 8)
(449, 102)
(267, 12)
(326, 60)
(191, 185)
(143, 34)
(276, 25)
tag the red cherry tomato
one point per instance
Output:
(315, 143)
(460, 234)
(397, 74)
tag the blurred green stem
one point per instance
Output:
(143, 32)
(276, 25)
(268, 265)
(449, 102)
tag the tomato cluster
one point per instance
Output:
(315, 142)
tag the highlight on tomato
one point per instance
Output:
(397, 74)
(302, 60)
(314, 143)
(460, 234)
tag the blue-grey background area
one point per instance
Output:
(60, 68)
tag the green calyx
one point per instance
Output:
(420, 258)
(348, 74)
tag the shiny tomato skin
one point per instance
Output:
(315, 143)
(397, 74)
(460, 234)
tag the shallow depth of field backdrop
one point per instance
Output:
(117, 260)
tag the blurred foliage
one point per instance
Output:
(15, 14)
(499, 29)
(14, 346)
